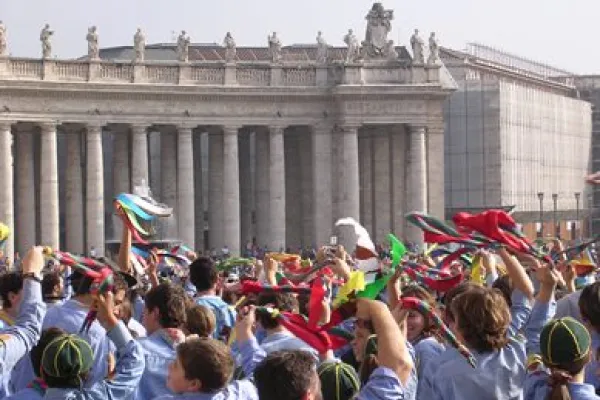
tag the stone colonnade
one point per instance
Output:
(280, 185)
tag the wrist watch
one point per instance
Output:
(34, 276)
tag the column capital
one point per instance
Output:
(47, 127)
(94, 127)
(139, 128)
(185, 128)
(322, 127)
(417, 129)
(277, 129)
(231, 129)
(347, 127)
(435, 129)
(6, 125)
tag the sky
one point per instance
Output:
(561, 33)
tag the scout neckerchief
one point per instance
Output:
(6, 318)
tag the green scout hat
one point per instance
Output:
(339, 380)
(67, 356)
(564, 341)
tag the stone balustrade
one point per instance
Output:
(296, 74)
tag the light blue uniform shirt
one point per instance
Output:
(224, 315)
(427, 352)
(499, 374)
(520, 311)
(70, 317)
(536, 382)
(129, 370)
(158, 353)
(26, 394)
(18, 340)
(251, 355)
(384, 384)
(286, 341)
(591, 370)
(537, 388)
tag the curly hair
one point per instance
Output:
(171, 301)
(482, 317)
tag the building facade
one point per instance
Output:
(589, 89)
(517, 137)
(265, 144)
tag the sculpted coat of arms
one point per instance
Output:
(376, 44)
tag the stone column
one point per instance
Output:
(215, 190)
(197, 142)
(49, 224)
(121, 179)
(399, 194)
(185, 185)
(276, 190)
(306, 160)
(245, 189)
(435, 170)
(349, 177)
(381, 182)
(416, 180)
(261, 187)
(139, 156)
(231, 190)
(6, 194)
(168, 181)
(74, 218)
(94, 210)
(25, 232)
(322, 184)
(365, 156)
(293, 191)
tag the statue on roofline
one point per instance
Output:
(230, 49)
(417, 44)
(139, 45)
(275, 47)
(322, 49)
(353, 52)
(434, 50)
(2, 39)
(92, 39)
(45, 39)
(376, 44)
(183, 47)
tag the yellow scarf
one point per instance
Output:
(6, 318)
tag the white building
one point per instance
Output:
(513, 131)
(308, 113)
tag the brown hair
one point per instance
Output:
(452, 294)
(561, 376)
(505, 286)
(280, 301)
(171, 301)
(285, 375)
(201, 321)
(207, 360)
(422, 294)
(589, 305)
(482, 317)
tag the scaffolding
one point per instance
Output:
(515, 62)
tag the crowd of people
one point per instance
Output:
(502, 324)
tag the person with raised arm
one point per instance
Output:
(17, 340)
